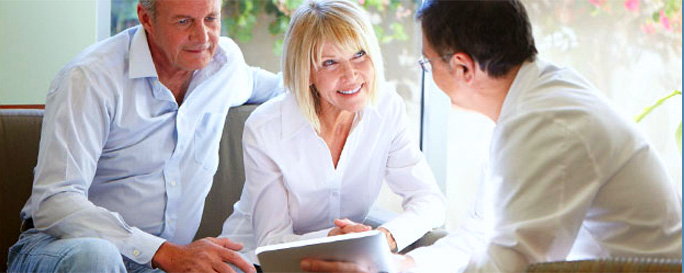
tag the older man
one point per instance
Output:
(130, 145)
(570, 178)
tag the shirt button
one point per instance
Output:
(335, 194)
(136, 253)
(168, 221)
(173, 183)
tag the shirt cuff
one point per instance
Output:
(140, 247)
(407, 228)
(423, 259)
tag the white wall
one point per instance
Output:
(37, 37)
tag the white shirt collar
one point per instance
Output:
(292, 119)
(528, 73)
(140, 59)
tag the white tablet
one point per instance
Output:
(368, 249)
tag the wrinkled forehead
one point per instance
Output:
(187, 6)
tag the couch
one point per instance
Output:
(19, 141)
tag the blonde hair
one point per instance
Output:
(340, 22)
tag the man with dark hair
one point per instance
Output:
(129, 148)
(569, 177)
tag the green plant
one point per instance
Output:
(649, 109)
(240, 17)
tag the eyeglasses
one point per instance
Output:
(425, 62)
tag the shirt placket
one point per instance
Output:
(172, 174)
(334, 196)
(337, 176)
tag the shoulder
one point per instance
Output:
(98, 68)
(267, 116)
(109, 55)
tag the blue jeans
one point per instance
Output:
(39, 252)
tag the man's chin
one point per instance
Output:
(196, 64)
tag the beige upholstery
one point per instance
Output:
(19, 141)
(616, 265)
(19, 137)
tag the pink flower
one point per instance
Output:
(648, 28)
(361, 2)
(632, 5)
(665, 21)
(597, 3)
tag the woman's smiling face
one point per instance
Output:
(343, 79)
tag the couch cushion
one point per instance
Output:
(229, 177)
(19, 141)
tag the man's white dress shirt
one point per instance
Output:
(119, 159)
(570, 179)
(293, 191)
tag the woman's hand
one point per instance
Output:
(390, 239)
(344, 226)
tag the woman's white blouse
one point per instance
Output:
(293, 191)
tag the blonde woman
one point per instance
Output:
(316, 157)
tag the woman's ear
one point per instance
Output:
(463, 67)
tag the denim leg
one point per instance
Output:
(134, 267)
(39, 252)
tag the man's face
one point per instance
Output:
(441, 72)
(184, 33)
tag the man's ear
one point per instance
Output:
(144, 18)
(463, 67)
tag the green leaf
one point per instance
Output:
(278, 47)
(678, 137)
(648, 109)
(374, 3)
(293, 4)
(398, 31)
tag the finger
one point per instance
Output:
(310, 265)
(342, 222)
(222, 267)
(227, 243)
(335, 231)
(237, 260)
(355, 228)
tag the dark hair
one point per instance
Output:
(496, 34)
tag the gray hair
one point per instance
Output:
(150, 6)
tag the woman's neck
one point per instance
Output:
(334, 130)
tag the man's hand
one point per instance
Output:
(204, 255)
(344, 226)
(311, 265)
(402, 262)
